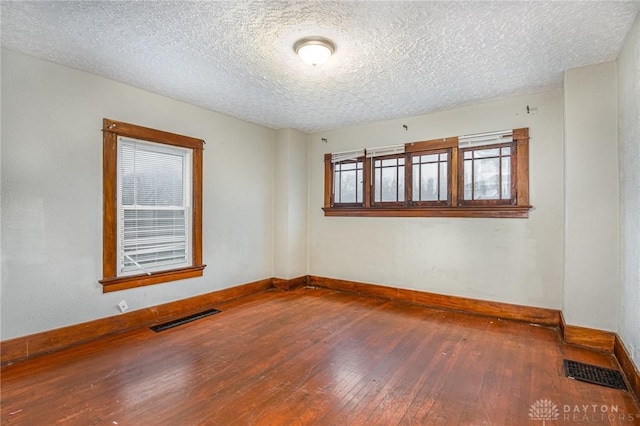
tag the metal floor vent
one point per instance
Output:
(594, 374)
(184, 320)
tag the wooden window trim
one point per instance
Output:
(111, 281)
(456, 207)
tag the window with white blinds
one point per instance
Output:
(154, 203)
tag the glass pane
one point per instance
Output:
(388, 163)
(484, 153)
(443, 157)
(486, 179)
(443, 181)
(468, 177)
(506, 178)
(401, 182)
(429, 158)
(416, 181)
(429, 182)
(153, 238)
(359, 187)
(468, 155)
(376, 185)
(389, 184)
(506, 151)
(415, 159)
(347, 166)
(151, 178)
(348, 187)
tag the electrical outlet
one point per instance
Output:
(123, 306)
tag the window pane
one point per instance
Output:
(348, 186)
(359, 192)
(150, 178)
(486, 179)
(389, 184)
(401, 182)
(348, 182)
(347, 166)
(506, 151)
(388, 180)
(377, 185)
(484, 153)
(443, 180)
(468, 178)
(468, 155)
(506, 178)
(429, 182)
(152, 238)
(416, 180)
(154, 196)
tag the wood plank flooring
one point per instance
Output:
(315, 357)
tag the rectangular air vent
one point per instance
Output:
(184, 320)
(594, 374)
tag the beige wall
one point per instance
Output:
(52, 194)
(629, 160)
(290, 217)
(591, 284)
(507, 260)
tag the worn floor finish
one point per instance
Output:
(313, 356)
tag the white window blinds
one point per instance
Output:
(385, 150)
(346, 155)
(489, 138)
(154, 207)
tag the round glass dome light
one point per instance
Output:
(314, 50)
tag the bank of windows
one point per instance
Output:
(473, 175)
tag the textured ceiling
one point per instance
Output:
(392, 59)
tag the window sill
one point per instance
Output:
(464, 211)
(132, 281)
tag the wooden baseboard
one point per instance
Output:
(628, 367)
(591, 338)
(29, 346)
(285, 284)
(35, 344)
(539, 316)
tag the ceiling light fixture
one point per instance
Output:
(314, 50)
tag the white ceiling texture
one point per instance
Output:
(393, 59)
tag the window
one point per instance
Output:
(430, 178)
(481, 175)
(388, 181)
(488, 175)
(152, 226)
(347, 188)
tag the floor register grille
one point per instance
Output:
(594, 374)
(180, 321)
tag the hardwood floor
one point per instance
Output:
(314, 356)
